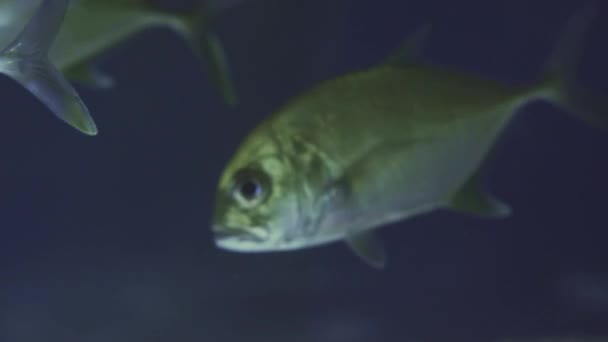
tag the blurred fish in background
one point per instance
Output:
(90, 28)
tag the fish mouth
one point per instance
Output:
(252, 234)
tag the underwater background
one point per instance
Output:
(108, 238)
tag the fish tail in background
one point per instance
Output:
(200, 35)
(26, 60)
(559, 85)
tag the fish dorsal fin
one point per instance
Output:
(26, 60)
(368, 247)
(411, 50)
(472, 199)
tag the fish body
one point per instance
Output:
(92, 27)
(366, 149)
(390, 150)
(89, 28)
(369, 148)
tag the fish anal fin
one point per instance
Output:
(472, 199)
(369, 248)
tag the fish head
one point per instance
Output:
(256, 207)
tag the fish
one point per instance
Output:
(379, 145)
(85, 29)
(93, 26)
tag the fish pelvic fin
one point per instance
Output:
(26, 61)
(473, 199)
(369, 248)
(199, 34)
(559, 85)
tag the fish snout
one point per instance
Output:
(256, 234)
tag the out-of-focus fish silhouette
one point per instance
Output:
(53, 42)
(92, 26)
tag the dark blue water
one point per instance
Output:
(107, 238)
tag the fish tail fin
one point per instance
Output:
(559, 85)
(26, 61)
(200, 35)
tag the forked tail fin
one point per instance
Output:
(26, 60)
(560, 86)
(201, 36)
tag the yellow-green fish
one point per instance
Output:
(377, 146)
(67, 43)
(93, 26)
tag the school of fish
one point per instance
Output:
(350, 155)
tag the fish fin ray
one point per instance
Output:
(369, 248)
(26, 60)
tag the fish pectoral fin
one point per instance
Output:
(26, 60)
(89, 75)
(472, 199)
(368, 247)
(411, 50)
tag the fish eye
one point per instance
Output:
(250, 188)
